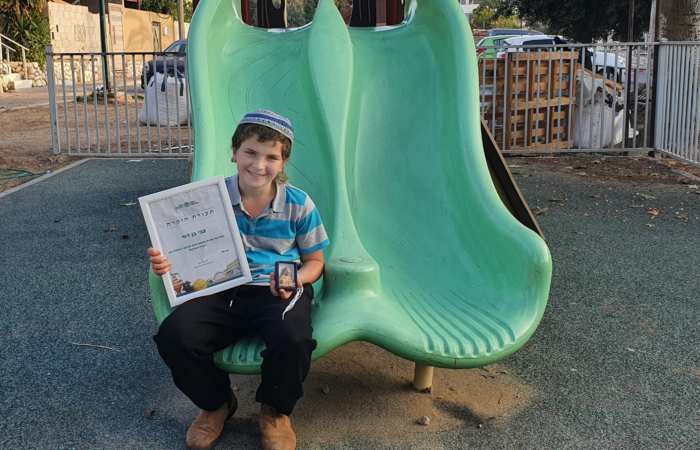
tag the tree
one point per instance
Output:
(678, 20)
(585, 21)
(167, 7)
(495, 14)
(26, 23)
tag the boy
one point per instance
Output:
(277, 223)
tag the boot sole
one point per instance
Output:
(230, 414)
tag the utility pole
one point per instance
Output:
(630, 22)
(103, 41)
(180, 19)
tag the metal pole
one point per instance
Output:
(24, 62)
(181, 19)
(630, 22)
(103, 41)
(53, 113)
(423, 377)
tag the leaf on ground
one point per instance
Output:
(537, 211)
(513, 165)
(326, 390)
(693, 186)
(634, 206)
(556, 200)
(683, 216)
(517, 173)
(648, 197)
(594, 196)
(58, 220)
(149, 414)
(109, 230)
(651, 226)
(127, 204)
(569, 167)
(580, 167)
(654, 212)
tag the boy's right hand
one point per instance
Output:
(159, 263)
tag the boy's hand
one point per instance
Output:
(159, 263)
(283, 293)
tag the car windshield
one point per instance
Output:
(177, 47)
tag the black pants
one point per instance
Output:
(189, 336)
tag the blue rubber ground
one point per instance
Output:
(614, 364)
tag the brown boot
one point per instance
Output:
(276, 429)
(206, 428)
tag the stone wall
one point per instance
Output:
(78, 74)
(37, 75)
(74, 29)
(130, 69)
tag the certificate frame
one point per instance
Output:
(177, 213)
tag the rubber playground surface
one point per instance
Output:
(614, 363)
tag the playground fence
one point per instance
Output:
(567, 98)
(542, 100)
(102, 105)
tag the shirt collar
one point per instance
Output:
(277, 203)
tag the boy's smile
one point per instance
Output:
(258, 163)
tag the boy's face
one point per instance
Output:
(258, 162)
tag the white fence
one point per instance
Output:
(678, 106)
(145, 110)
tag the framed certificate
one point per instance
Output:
(195, 227)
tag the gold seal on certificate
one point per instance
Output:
(195, 228)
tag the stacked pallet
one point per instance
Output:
(535, 93)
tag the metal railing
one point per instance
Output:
(8, 49)
(142, 113)
(678, 93)
(567, 97)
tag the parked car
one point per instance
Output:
(490, 41)
(606, 61)
(174, 60)
(532, 43)
(511, 32)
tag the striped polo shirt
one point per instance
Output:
(290, 226)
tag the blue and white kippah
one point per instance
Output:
(270, 119)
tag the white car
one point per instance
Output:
(530, 42)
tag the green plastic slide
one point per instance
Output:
(425, 260)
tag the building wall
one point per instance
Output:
(73, 29)
(138, 30)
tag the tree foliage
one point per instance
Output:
(585, 21)
(26, 23)
(495, 14)
(299, 12)
(167, 7)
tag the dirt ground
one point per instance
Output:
(25, 144)
(467, 400)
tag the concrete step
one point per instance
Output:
(20, 84)
(13, 77)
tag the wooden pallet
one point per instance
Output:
(535, 94)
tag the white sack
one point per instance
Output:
(166, 103)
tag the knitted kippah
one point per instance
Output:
(270, 119)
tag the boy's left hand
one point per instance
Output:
(286, 295)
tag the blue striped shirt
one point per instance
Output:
(290, 226)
